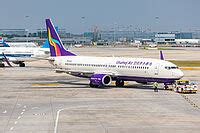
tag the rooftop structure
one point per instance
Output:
(42, 33)
(125, 35)
(16, 32)
(165, 38)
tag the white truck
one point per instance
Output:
(185, 86)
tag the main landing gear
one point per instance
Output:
(2, 65)
(93, 86)
(21, 64)
(119, 83)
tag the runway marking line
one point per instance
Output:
(58, 115)
(190, 102)
(35, 108)
(16, 122)
(11, 128)
(4, 112)
(18, 117)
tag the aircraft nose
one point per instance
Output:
(180, 74)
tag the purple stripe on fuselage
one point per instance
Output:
(147, 79)
(137, 79)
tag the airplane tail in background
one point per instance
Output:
(3, 43)
(1, 40)
(46, 44)
(56, 46)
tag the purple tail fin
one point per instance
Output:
(161, 56)
(56, 46)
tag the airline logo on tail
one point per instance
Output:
(56, 46)
(54, 43)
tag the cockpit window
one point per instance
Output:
(174, 67)
(171, 67)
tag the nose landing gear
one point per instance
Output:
(2, 65)
(21, 64)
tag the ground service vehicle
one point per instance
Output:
(185, 86)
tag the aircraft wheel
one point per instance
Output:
(92, 85)
(22, 65)
(166, 87)
(2, 65)
(119, 83)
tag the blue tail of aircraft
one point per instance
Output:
(3, 43)
(55, 44)
(46, 44)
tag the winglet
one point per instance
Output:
(161, 56)
(56, 46)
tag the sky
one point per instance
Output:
(77, 16)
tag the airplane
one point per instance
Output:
(19, 55)
(16, 44)
(101, 71)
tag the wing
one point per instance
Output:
(86, 74)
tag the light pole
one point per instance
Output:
(83, 24)
(26, 30)
(115, 30)
(157, 23)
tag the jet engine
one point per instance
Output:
(99, 80)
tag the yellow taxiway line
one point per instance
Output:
(45, 84)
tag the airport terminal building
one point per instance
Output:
(107, 36)
(174, 38)
(165, 38)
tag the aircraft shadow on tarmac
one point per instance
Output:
(86, 85)
(81, 85)
(78, 84)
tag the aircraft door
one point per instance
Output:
(156, 70)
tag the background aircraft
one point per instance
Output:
(19, 55)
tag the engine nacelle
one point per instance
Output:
(100, 80)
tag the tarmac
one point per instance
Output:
(36, 99)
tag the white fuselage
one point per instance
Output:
(117, 66)
(22, 53)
